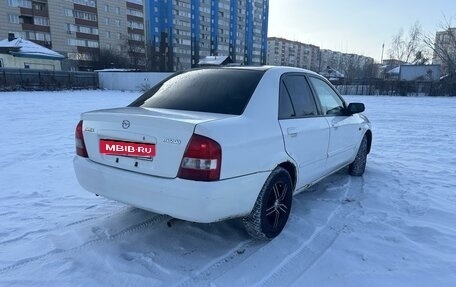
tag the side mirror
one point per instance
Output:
(355, 108)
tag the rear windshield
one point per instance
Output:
(222, 91)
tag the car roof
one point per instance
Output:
(282, 69)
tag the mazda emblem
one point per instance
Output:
(126, 124)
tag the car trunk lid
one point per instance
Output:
(167, 132)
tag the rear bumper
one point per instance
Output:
(184, 199)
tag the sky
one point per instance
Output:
(355, 26)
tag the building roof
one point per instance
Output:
(215, 61)
(395, 71)
(331, 73)
(25, 48)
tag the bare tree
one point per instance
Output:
(137, 54)
(134, 50)
(111, 59)
(443, 46)
(421, 58)
(396, 50)
(107, 58)
(404, 47)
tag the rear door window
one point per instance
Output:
(299, 93)
(223, 91)
(286, 109)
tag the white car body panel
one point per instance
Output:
(185, 199)
(300, 138)
(238, 138)
(343, 145)
(253, 144)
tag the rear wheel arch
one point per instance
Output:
(291, 169)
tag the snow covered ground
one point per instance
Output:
(396, 226)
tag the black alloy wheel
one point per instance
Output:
(272, 208)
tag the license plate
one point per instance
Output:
(122, 148)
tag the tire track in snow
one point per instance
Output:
(132, 228)
(124, 210)
(71, 224)
(312, 249)
(219, 266)
(308, 253)
(39, 231)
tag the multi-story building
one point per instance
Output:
(181, 32)
(329, 58)
(296, 54)
(445, 50)
(79, 29)
(352, 65)
(283, 52)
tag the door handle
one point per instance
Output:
(292, 132)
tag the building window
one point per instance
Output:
(90, 3)
(26, 66)
(81, 29)
(83, 43)
(68, 12)
(106, 8)
(117, 10)
(92, 44)
(108, 34)
(76, 42)
(40, 36)
(41, 21)
(136, 37)
(137, 13)
(117, 23)
(20, 3)
(14, 19)
(80, 56)
(135, 25)
(39, 6)
(85, 15)
(81, 14)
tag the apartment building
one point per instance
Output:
(181, 32)
(352, 65)
(283, 52)
(79, 29)
(445, 50)
(296, 54)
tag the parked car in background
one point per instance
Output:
(217, 143)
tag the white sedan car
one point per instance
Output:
(217, 143)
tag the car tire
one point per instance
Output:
(357, 167)
(272, 207)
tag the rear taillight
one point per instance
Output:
(79, 140)
(202, 160)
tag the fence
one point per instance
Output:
(25, 79)
(393, 88)
(129, 81)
